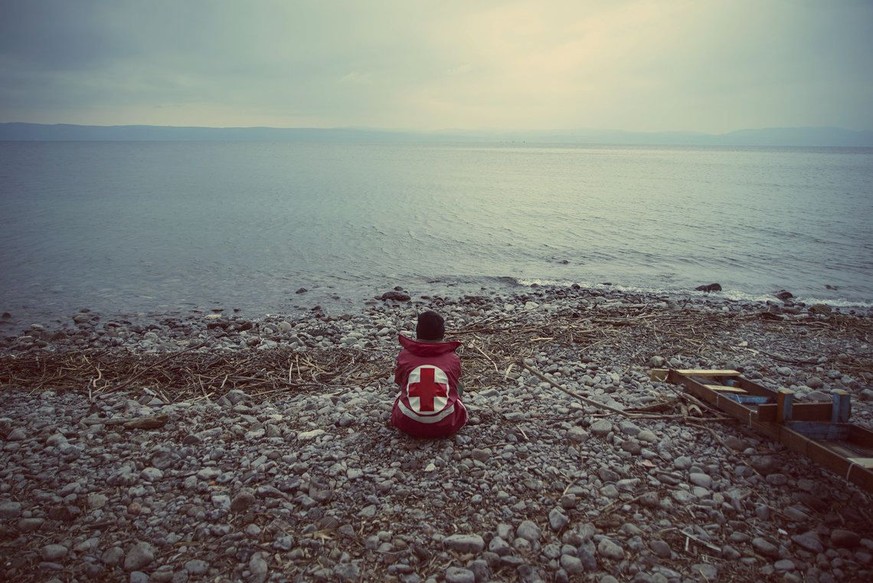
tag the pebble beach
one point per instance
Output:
(209, 446)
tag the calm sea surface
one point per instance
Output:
(122, 227)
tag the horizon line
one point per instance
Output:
(444, 130)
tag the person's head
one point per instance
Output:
(431, 326)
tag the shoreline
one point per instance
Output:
(86, 319)
(270, 457)
(301, 302)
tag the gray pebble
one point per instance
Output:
(197, 567)
(138, 555)
(601, 427)
(529, 531)
(53, 552)
(460, 575)
(10, 510)
(809, 541)
(609, 549)
(557, 519)
(258, 567)
(465, 543)
(765, 547)
(844, 538)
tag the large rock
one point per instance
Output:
(397, 296)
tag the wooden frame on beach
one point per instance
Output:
(821, 431)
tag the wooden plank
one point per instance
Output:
(754, 388)
(811, 417)
(750, 400)
(726, 389)
(784, 405)
(861, 436)
(799, 412)
(726, 403)
(825, 457)
(864, 462)
(819, 431)
(694, 372)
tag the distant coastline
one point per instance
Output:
(768, 137)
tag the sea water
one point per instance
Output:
(126, 227)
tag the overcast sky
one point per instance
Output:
(637, 65)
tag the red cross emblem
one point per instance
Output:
(428, 389)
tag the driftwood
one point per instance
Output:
(493, 347)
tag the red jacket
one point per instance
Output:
(428, 404)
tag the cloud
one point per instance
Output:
(625, 64)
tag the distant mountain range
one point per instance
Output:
(801, 137)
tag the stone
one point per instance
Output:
(197, 567)
(573, 565)
(589, 561)
(96, 500)
(139, 555)
(709, 287)
(765, 547)
(460, 575)
(499, 546)
(814, 383)
(609, 549)
(10, 510)
(631, 446)
(17, 434)
(482, 455)
(310, 435)
(347, 572)
(707, 571)
(682, 462)
(647, 436)
(844, 539)
(557, 519)
(481, 570)
(112, 556)
(151, 474)
(809, 541)
(661, 548)
(701, 480)
(764, 464)
(529, 531)
(465, 543)
(784, 295)
(30, 524)
(242, 501)
(601, 427)
(53, 552)
(577, 435)
(629, 428)
(396, 295)
(258, 567)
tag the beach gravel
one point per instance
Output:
(291, 472)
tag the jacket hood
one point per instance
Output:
(427, 348)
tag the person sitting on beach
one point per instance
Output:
(428, 373)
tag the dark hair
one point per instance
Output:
(431, 326)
